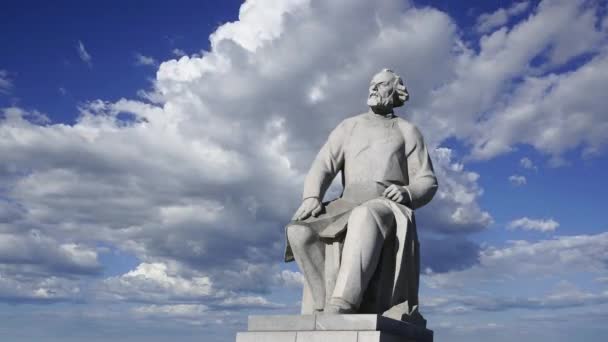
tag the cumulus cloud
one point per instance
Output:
(180, 311)
(574, 121)
(144, 60)
(523, 285)
(207, 177)
(178, 52)
(84, 54)
(512, 89)
(488, 21)
(554, 257)
(527, 163)
(20, 287)
(455, 208)
(198, 184)
(541, 225)
(249, 302)
(518, 180)
(6, 84)
(47, 255)
(555, 300)
(290, 279)
(155, 283)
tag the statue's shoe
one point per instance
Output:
(339, 306)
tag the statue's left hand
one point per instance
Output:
(310, 206)
(396, 193)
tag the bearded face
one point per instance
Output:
(381, 91)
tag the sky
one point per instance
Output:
(151, 156)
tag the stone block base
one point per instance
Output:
(332, 328)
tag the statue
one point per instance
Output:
(359, 253)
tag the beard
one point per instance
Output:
(375, 100)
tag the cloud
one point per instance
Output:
(249, 302)
(18, 288)
(562, 297)
(527, 163)
(83, 54)
(455, 208)
(548, 225)
(204, 181)
(198, 184)
(555, 257)
(290, 279)
(575, 120)
(195, 314)
(178, 52)
(172, 291)
(488, 21)
(6, 84)
(517, 180)
(47, 255)
(144, 60)
(259, 22)
(155, 283)
(516, 90)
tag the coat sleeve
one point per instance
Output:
(327, 164)
(422, 181)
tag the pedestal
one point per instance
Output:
(332, 328)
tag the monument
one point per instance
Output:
(359, 253)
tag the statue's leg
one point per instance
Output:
(309, 253)
(368, 225)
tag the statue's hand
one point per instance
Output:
(397, 194)
(310, 206)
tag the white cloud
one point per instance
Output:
(179, 181)
(575, 120)
(487, 104)
(290, 279)
(259, 21)
(198, 185)
(6, 84)
(179, 311)
(488, 21)
(557, 257)
(541, 225)
(154, 282)
(20, 288)
(527, 163)
(564, 295)
(178, 52)
(455, 208)
(517, 180)
(250, 302)
(83, 54)
(144, 60)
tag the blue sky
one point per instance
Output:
(151, 156)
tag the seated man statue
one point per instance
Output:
(359, 253)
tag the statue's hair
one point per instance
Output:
(400, 93)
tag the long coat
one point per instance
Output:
(372, 152)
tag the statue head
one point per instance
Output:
(386, 91)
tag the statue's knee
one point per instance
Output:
(360, 213)
(370, 216)
(299, 235)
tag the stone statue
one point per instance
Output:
(359, 253)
